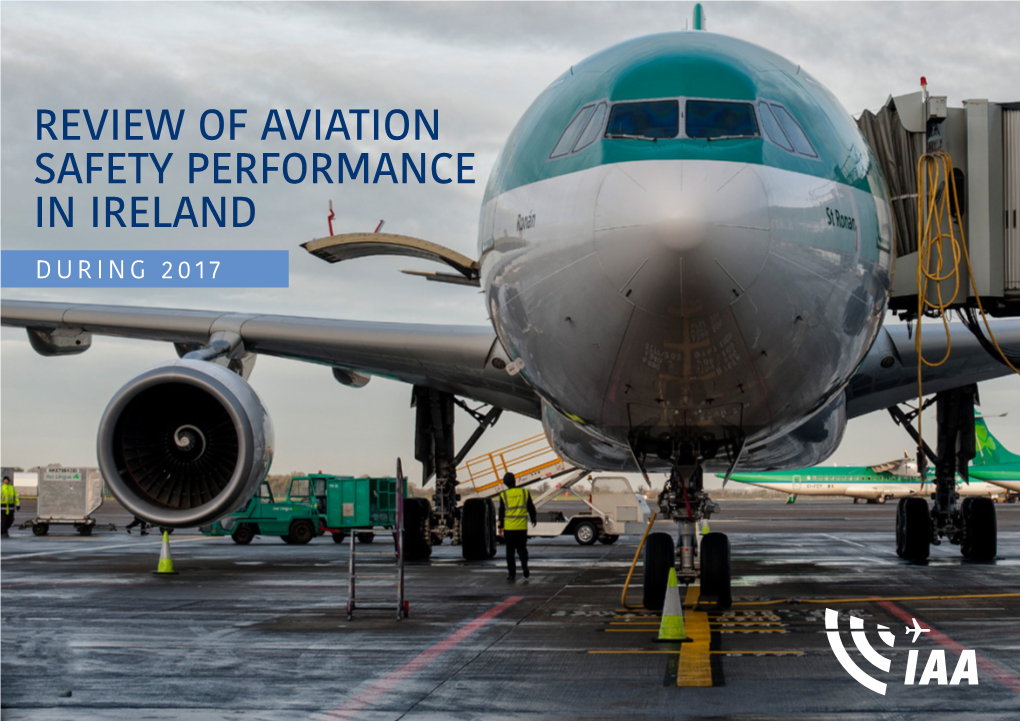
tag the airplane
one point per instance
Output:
(895, 479)
(668, 291)
(917, 630)
(994, 463)
(878, 483)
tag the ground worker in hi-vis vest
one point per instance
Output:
(8, 502)
(515, 506)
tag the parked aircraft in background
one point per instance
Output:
(896, 479)
(993, 462)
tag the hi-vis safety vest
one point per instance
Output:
(8, 496)
(515, 502)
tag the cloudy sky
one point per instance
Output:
(480, 65)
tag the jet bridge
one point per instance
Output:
(982, 140)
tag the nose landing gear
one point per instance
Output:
(684, 500)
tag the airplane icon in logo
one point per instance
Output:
(916, 630)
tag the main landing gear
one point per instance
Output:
(970, 524)
(472, 525)
(684, 500)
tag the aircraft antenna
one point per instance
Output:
(330, 218)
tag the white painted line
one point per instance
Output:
(80, 549)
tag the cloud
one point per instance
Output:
(480, 64)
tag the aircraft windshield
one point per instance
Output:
(720, 119)
(646, 119)
(800, 142)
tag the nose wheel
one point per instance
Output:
(683, 499)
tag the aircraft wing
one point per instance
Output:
(454, 359)
(888, 374)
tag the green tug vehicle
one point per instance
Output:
(315, 504)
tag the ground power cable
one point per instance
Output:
(935, 188)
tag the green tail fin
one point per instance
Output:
(990, 450)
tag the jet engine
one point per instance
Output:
(185, 443)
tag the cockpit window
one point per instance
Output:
(594, 129)
(773, 129)
(793, 130)
(646, 120)
(572, 132)
(720, 119)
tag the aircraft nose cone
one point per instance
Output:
(682, 238)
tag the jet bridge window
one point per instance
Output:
(573, 131)
(720, 119)
(794, 132)
(647, 120)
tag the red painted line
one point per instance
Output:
(390, 681)
(1003, 676)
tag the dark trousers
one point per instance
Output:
(7, 521)
(516, 542)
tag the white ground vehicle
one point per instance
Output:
(613, 508)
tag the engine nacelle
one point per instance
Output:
(185, 443)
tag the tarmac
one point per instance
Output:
(261, 632)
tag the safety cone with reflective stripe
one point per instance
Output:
(166, 563)
(671, 629)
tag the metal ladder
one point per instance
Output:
(381, 604)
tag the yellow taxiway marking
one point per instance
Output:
(695, 668)
(873, 599)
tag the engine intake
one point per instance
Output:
(185, 443)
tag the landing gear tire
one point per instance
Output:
(585, 533)
(339, 537)
(474, 529)
(243, 534)
(301, 532)
(490, 520)
(715, 568)
(916, 529)
(366, 537)
(660, 556)
(417, 533)
(979, 529)
(900, 512)
(607, 539)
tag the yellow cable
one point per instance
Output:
(637, 554)
(931, 213)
